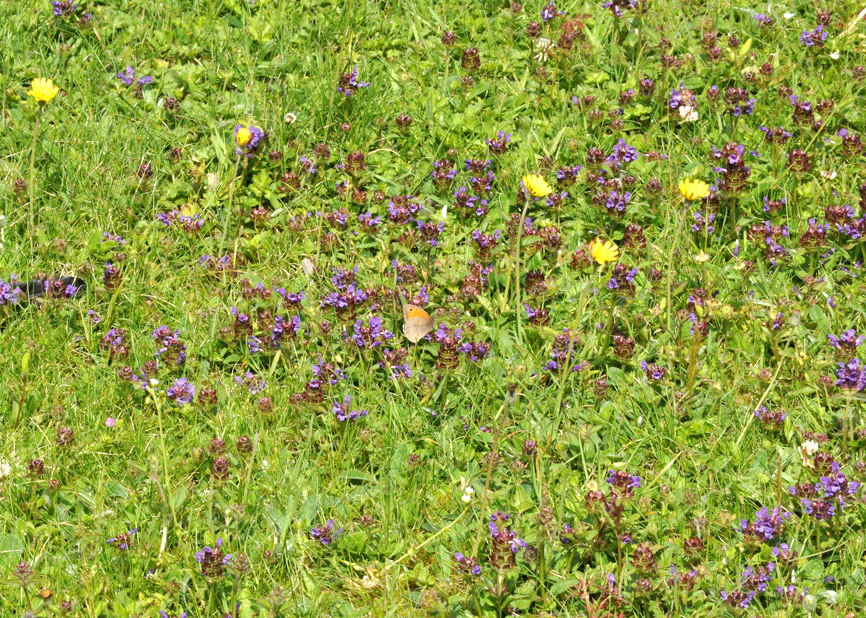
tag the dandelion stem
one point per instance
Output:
(228, 212)
(31, 206)
(609, 328)
(670, 277)
(517, 253)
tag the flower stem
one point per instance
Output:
(165, 467)
(233, 609)
(228, 214)
(31, 206)
(693, 362)
(503, 410)
(670, 277)
(517, 252)
(609, 328)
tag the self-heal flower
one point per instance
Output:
(623, 481)
(767, 524)
(616, 202)
(181, 392)
(9, 291)
(499, 144)
(848, 341)
(851, 375)
(212, 560)
(327, 533)
(692, 189)
(467, 565)
(603, 252)
(43, 90)
(349, 83)
(127, 76)
(63, 8)
(814, 38)
(121, 541)
(549, 12)
(344, 412)
(537, 185)
(681, 96)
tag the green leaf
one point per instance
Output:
(597, 77)
(813, 570)
(563, 586)
(178, 497)
(357, 475)
(11, 548)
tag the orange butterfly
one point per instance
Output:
(417, 323)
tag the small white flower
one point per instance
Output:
(290, 118)
(828, 175)
(688, 113)
(806, 450)
(835, 55)
(5, 469)
(788, 15)
(154, 382)
(468, 492)
(543, 46)
(701, 257)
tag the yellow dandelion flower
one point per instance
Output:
(43, 90)
(243, 136)
(537, 185)
(693, 189)
(603, 251)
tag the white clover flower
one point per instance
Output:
(788, 15)
(543, 46)
(290, 118)
(835, 55)
(688, 113)
(806, 450)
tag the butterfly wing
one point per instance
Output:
(416, 323)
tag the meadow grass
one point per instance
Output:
(227, 419)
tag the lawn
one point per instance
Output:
(407, 308)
